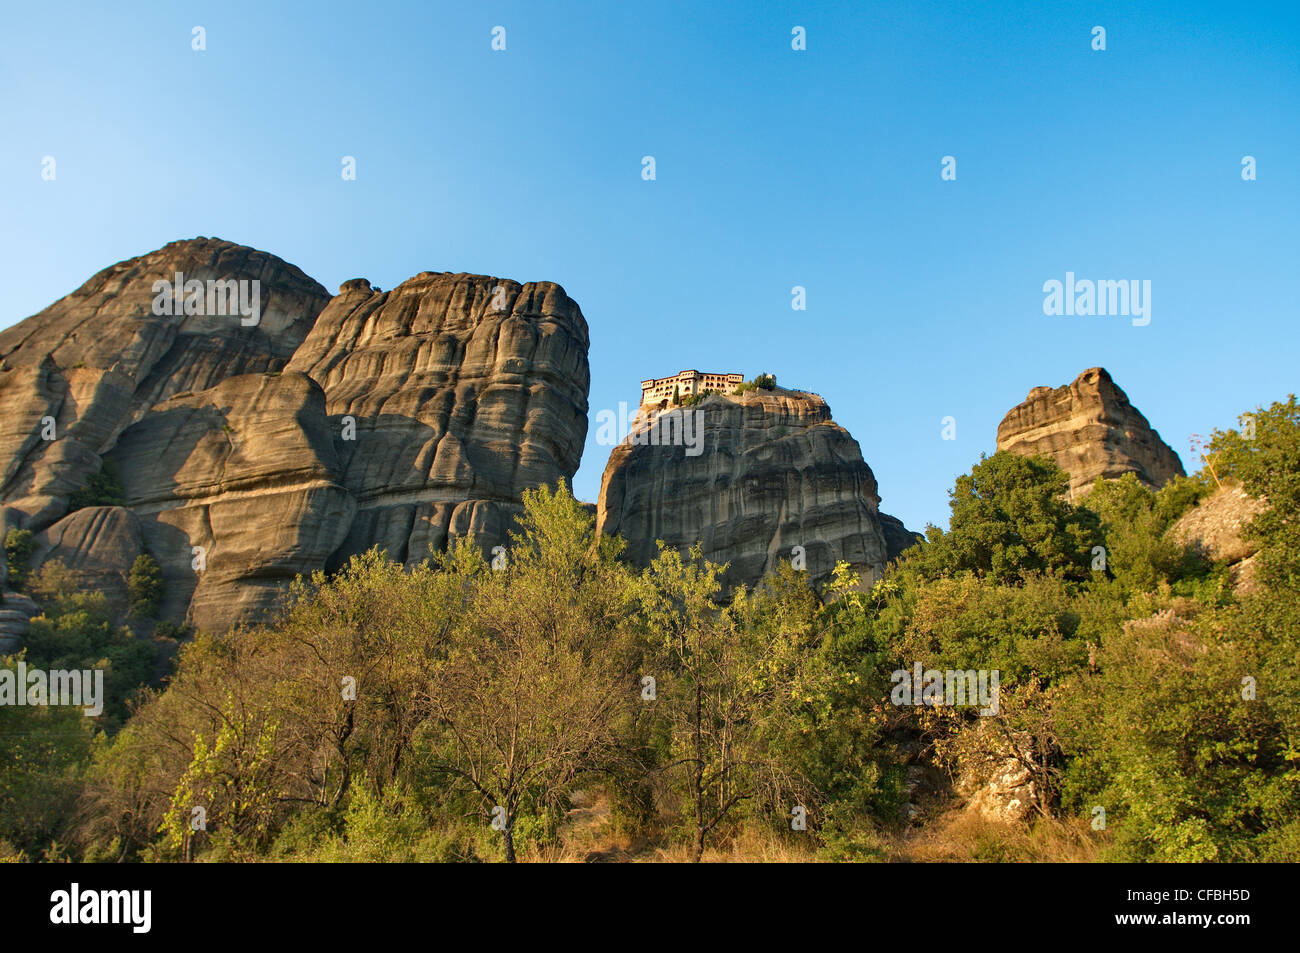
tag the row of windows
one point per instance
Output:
(692, 378)
(686, 383)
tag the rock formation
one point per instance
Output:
(97, 544)
(1091, 430)
(897, 536)
(15, 621)
(996, 777)
(464, 391)
(773, 471)
(77, 374)
(249, 453)
(1215, 528)
(247, 473)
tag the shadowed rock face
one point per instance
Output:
(775, 472)
(1091, 430)
(98, 544)
(247, 472)
(259, 452)
(897, 536)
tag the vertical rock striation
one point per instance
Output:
(774, 472)
(463, 391)
(247, 454)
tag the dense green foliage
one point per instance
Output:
(20, 544)
(144, 586)
(1150, 689)
(44, 750)
(1010, 518)
(459, 710)
(102, 489)
(75, 631)
(1265, 457)
(1135, 521)
(762, 381)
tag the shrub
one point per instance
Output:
(1185, 734)
(1265, 456)
(20, 544)
(1134, 521)
(761, 382)
(75, 631)
(145, 586)
(103, 489)
(1010, 518)
(42, 752)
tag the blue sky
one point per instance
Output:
(775, 168)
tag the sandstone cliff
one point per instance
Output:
(773, 472)
(1091, 430)
(248, 454)
(97, 360)
(247, 473)
(463, 390)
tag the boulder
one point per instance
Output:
(1215, 529)
(998, 781)
(98, 545)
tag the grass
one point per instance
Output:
(960, 836)
(589, 834)
(952, 835)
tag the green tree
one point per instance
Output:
(104, 488)
(1010, 517)
(1186, 733)
(75, 631)
(228, 786)
(822, 680)
(144, 586)
(530, 693)
(1134, 521)
(43, 750)
(20, 544)
(727, 677)
(331, 689)
(700, 692)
